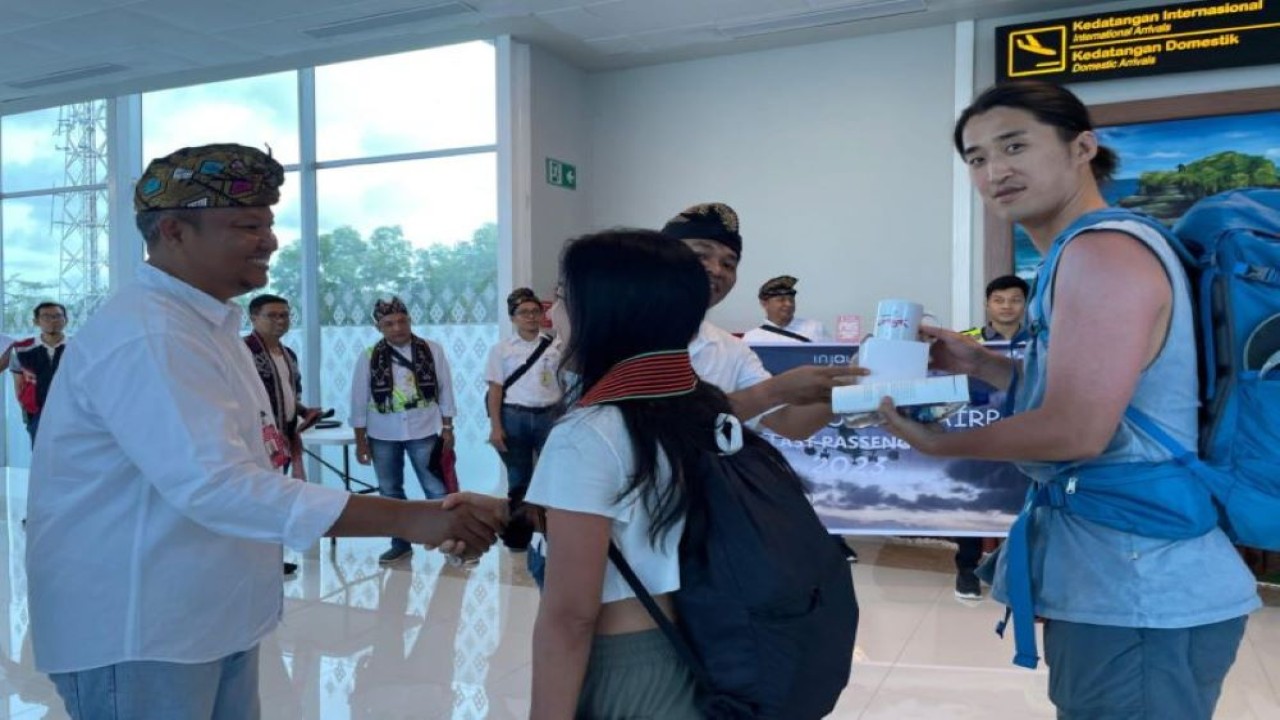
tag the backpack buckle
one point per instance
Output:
(728, 434)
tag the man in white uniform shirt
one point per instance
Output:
(524, 391)
(795, 404)
(401, 404)
(778, 299)
(157, 511)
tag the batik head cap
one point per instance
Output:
(209, 176)
(783, 285)
(383, 308)
(520, 296)
(708, 221)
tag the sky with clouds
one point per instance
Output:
(426, 100)
(1145, 147)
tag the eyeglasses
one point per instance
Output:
(529, 313)
(274, 315)
(45, 316)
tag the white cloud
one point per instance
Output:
(1273, 153)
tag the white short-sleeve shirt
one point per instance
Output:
(811, 329)
(724, 360)
(584, 467)
(539, 386)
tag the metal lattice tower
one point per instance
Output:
(82, 268)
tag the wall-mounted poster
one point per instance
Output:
(1166, 166)
(1173, 151)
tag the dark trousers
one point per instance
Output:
(1098, 672)
(968, 553)
(33, 423)
(526, 431)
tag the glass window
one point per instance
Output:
(423, 100)
(258, 111)
(54, 148)
(55, 249)
(424, 230)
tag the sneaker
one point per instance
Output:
(851, 556)
(968, 587)
(290, 571)
(394, 555)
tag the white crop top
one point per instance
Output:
(584, 466)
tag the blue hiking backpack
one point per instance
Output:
(766, 608)
(1229, 245)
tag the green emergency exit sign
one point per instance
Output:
(562, 174)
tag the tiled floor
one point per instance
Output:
(434, 641)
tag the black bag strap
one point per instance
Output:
(785, 333)
(668, 628)
(400, 359)
(528, 363)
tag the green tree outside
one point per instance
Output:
(442, 284)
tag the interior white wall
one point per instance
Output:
(836, 156)
(560, 129)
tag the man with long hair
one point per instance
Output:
(1136, 626)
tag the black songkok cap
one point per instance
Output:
(383, 308)
(778, 287)
(708, 221)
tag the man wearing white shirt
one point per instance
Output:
(156, 510)
(401, 404)
(778, 299)
(795, 404)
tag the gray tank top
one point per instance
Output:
(1168, 389)
(1087, 573)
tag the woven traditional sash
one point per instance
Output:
(666, 373)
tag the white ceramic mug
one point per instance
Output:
(898, 320)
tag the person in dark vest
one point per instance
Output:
(778, 300)
(36, 359)
(277, 365)
(401, 404)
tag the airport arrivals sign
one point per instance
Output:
(1143, 41)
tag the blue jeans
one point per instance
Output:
(388, 465)
(526, 432)
(225, 689)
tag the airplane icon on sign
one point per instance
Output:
(1032, 45)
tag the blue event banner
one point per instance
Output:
(868, 482)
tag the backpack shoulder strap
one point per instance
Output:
(1049, 268)
(668, 628)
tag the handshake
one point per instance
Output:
(463, 524)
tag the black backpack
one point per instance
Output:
(766, 606)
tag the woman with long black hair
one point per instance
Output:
(615, 468)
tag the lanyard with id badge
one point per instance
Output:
(274, 442)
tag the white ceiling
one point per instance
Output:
(166, 43)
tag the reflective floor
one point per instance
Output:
(432, 641)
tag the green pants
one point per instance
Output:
(636, 676)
